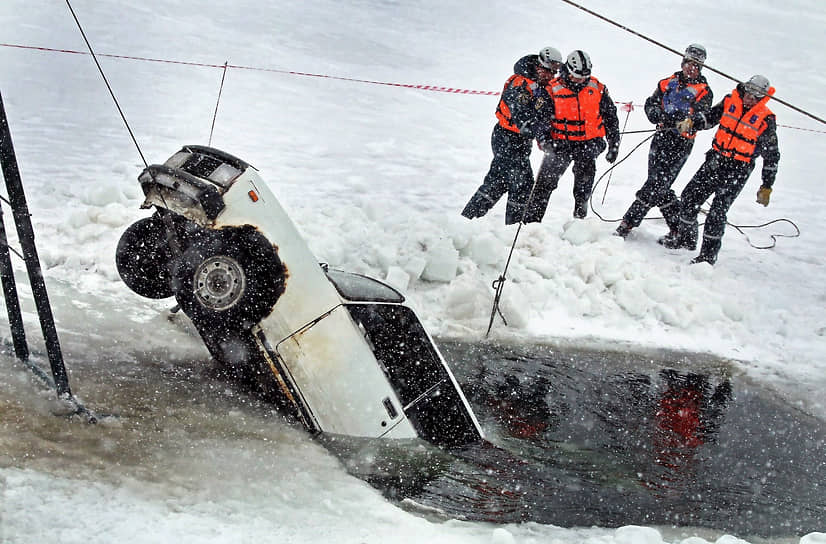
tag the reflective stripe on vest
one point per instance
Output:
(576, 115)
(681, 100)
(737, 134)
(503, 112)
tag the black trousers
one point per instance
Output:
(719, 176)
(510, 172)
(666, 157)
(556, 161)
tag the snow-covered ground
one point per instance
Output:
(375, 177)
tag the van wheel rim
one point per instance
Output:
(219, 282)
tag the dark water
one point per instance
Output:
(610, 439)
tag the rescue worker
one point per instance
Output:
(518, 113)
(581, 115)
(676, 98)
(748, 129)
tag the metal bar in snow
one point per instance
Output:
(18, 332)
(25, 232)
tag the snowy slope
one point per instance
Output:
(375, 175)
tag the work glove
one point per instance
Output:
(685, 125)
(613, 151)
(763, 194)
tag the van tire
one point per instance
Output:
(228, 278)
(143, 258)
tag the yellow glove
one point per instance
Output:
(685, 125)
(763, 194)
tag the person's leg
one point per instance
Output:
(645, 196)
(520, 183)
(732, 183)
(510, 154)
(673, 159)
(701, 186)
(585, 169)
(554, 164)
(666, 158)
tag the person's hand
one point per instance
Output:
(612, 153)
(527, 128)
(763, 195)
(685, 125)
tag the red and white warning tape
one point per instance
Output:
(624, 106)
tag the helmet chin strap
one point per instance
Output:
(575, 85)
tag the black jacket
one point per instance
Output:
(526, 100)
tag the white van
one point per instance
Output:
(347, 355)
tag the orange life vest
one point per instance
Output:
(576, 115)
(694, 91)
(738, 132)
(503, 111)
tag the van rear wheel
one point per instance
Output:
(229, 277)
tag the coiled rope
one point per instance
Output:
(738, 228)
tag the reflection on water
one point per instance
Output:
(586, 438)
(575, 439)
(687, 415)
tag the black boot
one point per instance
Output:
(678, 240)
(470, 212)
(684, 238)
(478, 205)
(622, 230)
(669, 240)
(708, 251)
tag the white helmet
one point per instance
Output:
(579, 64)
(695, 53)
(757, 86)
(548, 56)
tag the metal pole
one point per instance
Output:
(25, 233)
(215, 115)
(18, 333)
